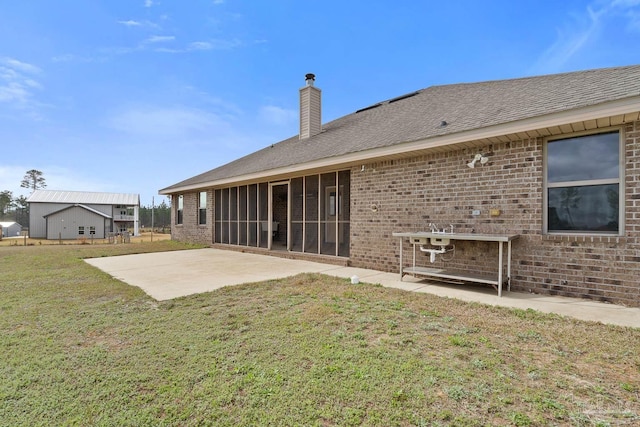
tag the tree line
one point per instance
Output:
(17, 209)
(161, 217)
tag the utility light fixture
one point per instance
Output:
(478, 158)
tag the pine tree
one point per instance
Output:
(34, 180)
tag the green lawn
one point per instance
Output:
(78, 347)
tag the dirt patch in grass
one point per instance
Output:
(142, 238)
(82, 348)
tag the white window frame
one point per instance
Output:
(620, 181)
(180, 209)
(202, 208)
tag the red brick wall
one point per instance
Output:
(407, 194)
(190, 230)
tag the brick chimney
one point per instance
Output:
(310, 109)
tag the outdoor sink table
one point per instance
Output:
(495, 280)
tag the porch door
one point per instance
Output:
(333, 211)
(278, 228)
(331, 205)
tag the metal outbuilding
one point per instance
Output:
(10, 229)
(77, 214)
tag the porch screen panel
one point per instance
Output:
(263, 214)
(217, 215)
(329, 205)
(242, 215)
(233, 215)
(297, 207)
(344, 212)
(311, 214)
(252, 203)
(224, 223)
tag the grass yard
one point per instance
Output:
(78, 347)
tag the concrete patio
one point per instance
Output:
(168, 275)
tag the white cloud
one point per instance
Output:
(148, 3)
(20, 66)
(278, 116)
(625, 3)
(70, 57)
(130, 23)
(584, 29)
(56, 177)
(17, 83)
(200, 46)
(168, 124)
(65, 179)
(14, 92)
(218, 1)
(219, 44)
(67, 57)
(159, 39)
(634, 20)
(216, 44)
(10, 177)
(569, 41)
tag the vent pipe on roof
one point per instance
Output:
(310, 109)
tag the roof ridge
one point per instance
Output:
(539, 76)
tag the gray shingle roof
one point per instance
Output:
(83, 197)
(465, 107)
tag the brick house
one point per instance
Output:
(553, 159)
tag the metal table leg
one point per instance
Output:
(500, 269)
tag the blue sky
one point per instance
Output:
(132, 96)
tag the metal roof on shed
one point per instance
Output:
(7, 224)
(83, 197)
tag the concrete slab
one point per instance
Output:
(168, 275)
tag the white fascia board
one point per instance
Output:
(614, 108)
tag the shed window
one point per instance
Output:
(81, 230)
(583, 184)
(92, 230)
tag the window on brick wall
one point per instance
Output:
(584, 185)
(179, 209)
(202, 208)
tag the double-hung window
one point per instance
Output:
(202, 208)
(584, 184)
(179, 209)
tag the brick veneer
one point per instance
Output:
(190, 230)
(408, 194)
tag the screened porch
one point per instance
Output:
(308, 214)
